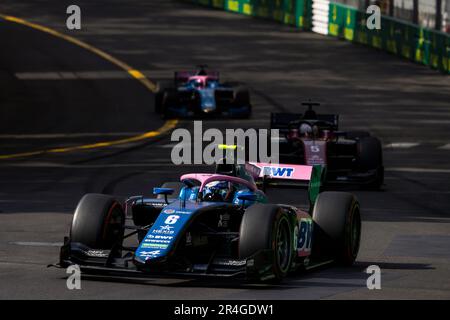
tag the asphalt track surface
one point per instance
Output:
(55, 94)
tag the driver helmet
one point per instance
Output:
(305, 129)
(197, 83)
(216, 191)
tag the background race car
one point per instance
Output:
(217, 224)
(315, 139)
(201, 94)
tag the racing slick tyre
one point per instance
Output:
(159, 96)
(267, 227)
(337, 227)
(159, 101)
(242, 99)
(169, 98)
(369, 158)
(176, 186)
(98, 222)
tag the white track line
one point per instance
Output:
(445, 147)
(177, 145)
(67, 135)
(402, 145)
(417, 170)
(37, 244)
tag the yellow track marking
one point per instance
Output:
(170, 124)
(133, 72)
(136, 74)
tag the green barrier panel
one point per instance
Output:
(218, 4)
(446, 58)
(248, 7)
(342, 21)
(204, 2)
(278, 10)
(361, 35)
(404, 39)
(335, 20)
(425, 46)
(292, 12)
(304, 14)
(375, 38)
(263, 8)
(289, 12)
(407, 39)
(388, 36)
(308, 14)
(421, 54)
(233, 6)
(351, 17)
(437, 45)
(438, 54)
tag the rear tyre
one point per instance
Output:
(176, 186)
(159, 96)
(159, 101)
(249, 113)
(241, 97)
(337, 229)
(169, 99)
(267, 227)
(370, 157)
(98, 222)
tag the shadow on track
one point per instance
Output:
(321, 277)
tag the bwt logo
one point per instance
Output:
(278, 172)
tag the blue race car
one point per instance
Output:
(195, 94)
(215, 225)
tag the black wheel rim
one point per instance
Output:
(114, 226)
(283, 245)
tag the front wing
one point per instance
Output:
(108, 262)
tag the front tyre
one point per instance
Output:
(267, 228)
(98, 222)
(370, 158)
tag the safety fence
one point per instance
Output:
(421, 45)
(425, 46)
(292, 12)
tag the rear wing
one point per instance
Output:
(281, 121)
(183, 76)
(287, 175)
